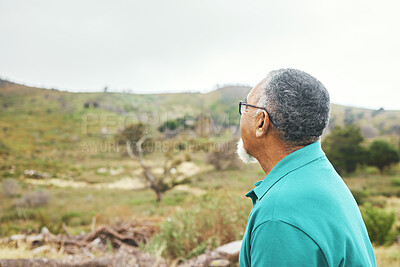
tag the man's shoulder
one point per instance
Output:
(313, 204)
(314, 183)
(302, 195)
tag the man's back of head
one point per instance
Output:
(298, 104)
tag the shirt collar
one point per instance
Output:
(288, 164)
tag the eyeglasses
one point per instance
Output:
(243, 105)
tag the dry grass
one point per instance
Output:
(21, 251)
(387, 256)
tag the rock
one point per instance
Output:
(116, 171)
(36, 174)
(17, 237)
(231, 249)
(226, 255)
(45, 231)
(220, 263)
(102, 170)
(41, 249)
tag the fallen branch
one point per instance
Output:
(131, 235)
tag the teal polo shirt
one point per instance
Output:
(304, 215)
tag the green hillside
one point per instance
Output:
(42, 128)
(35, 117)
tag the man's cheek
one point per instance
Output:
(241, 128)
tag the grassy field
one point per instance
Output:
(78, 207)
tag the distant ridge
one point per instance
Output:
(221, 102)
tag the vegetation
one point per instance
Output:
(205, 226)
(379, 224)
(11, 188)
(169, 177)
(178, 124)
(64, 160)
(343, 148)
(34, 199)
(131, 133)
(224, 156)
(382, 154)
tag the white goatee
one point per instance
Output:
(243, 155)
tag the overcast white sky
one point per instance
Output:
(352, 47)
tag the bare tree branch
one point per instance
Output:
(130, 152)
(147, 173)
(167, 169)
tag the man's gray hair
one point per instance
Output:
(298, 105)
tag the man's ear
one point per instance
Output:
(262, 124)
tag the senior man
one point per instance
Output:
(303, 213)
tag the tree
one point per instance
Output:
(349, 116)
(343, 148)
(382, 155)
(158, 183)
(135, 138)
(131, 133)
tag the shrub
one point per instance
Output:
(169, 125)
(224, 156)
(382, 154)
(396, 182)
(132, 133)
(210, 224)
(379, 224)
(360, 196)
(11, 187)
(343, 148)
(188, 157)
(4, 150)
(34, 199)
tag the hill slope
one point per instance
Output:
(33, 117)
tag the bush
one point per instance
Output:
(224, 156)
(132, 133)
(34, 199)
(360, 196)
(169, 125)
(188, 157)
(11, 187)
(382, 154)
(4, 150)
(379, 224)
(343, 148)
(189, 233)
(396, 182)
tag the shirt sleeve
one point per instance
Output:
(276, 243)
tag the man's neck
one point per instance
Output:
(268, 161)
(271, 153)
